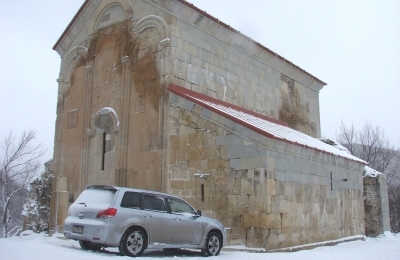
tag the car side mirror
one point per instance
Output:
(198, 213)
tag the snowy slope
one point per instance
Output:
(39, 247)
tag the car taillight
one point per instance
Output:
(108, 213)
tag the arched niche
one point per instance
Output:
(140, 28)
(113, 13)
(75, 56)
(152, 21)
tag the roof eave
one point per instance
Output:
(70, 25)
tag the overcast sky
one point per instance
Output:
(352, 45)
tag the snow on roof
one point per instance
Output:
(262, 124)
(369, 172)
(334, 144)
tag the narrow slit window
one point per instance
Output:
(202, 192)
(103, 152)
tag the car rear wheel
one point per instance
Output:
(133, 242)
(213, 244)
(86, 245)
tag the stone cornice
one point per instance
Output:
(75, 26)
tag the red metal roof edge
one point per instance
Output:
(70, 24)
(192, 95)
(187, 93)
(213, 19)
(244, 36)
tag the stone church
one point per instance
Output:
(160, 95)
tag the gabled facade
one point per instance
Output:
(160, 95)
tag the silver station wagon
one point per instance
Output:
(134, 220)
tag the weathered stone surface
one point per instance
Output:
(373, 207)
(246, 187)
(272, 242)
(251, 219)
(232, 202)
(285, 220)
(256, 237)
(270, 220)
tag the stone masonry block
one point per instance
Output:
(229, 140)
(270, 220)
(224, 152)
(285, 220)
(242, 151)
(271, 162)
(271, 187)
(234, 164)
(280, 187)
(251, 219)
(251, 163)
(281, 176)
(246, 187)
(256, 237)
(193, 153)
(232, 202)
(272, 242)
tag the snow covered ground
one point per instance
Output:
(40, 247)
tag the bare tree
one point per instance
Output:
(372, 145)
(369, 144)
(19, 165)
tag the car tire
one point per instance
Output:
(213, 244)
(133, 242)
(86, 245)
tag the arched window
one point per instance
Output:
(105, 127)
(105, 123)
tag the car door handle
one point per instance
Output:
(147, 216)
(177, 219)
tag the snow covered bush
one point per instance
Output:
(37, 208)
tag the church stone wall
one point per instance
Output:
(270, 196)
(203, 62)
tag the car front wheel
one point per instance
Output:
(133, 242)
(213, 244)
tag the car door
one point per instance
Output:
(187, 227)
(156, 219)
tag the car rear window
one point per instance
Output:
(131, 200)
(95, 196)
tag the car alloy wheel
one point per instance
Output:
(133, 242)
(213, 244)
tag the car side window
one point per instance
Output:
(179, 206)
(151, 202)
(131, 200)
